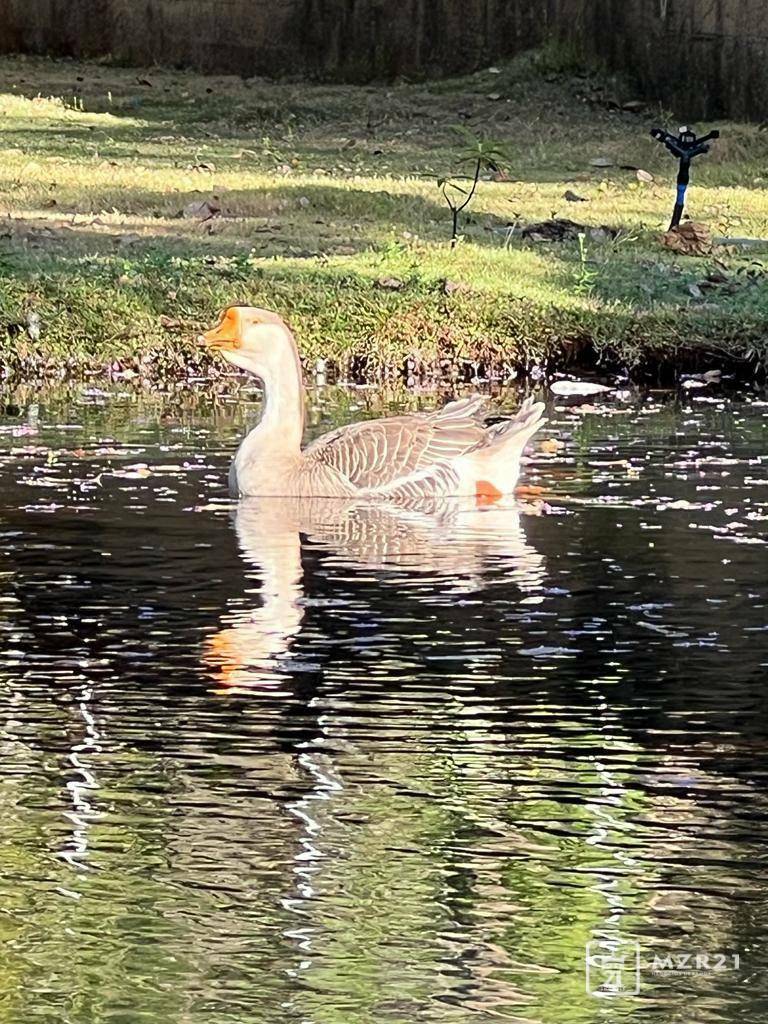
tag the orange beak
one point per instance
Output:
(226, 335)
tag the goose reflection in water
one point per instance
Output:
(450, 544)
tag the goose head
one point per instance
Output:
(255, 340)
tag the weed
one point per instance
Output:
(482, 155)
(587, 273)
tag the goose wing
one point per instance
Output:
(376, 453)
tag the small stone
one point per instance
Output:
(202, 209)
(390, 284)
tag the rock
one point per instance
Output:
(602, 233)
(601, 161)
(633, 106)
(573, 197)
(390, 284)
(202, 209)
(495, 96)
(644, 176)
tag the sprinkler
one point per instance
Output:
(685, 146)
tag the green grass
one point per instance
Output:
(328, 191)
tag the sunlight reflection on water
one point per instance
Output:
(293, 761)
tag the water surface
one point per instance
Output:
(281, 762)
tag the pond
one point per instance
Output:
(285, 763)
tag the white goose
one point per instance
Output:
(417, 455)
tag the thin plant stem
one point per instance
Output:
(456, 209)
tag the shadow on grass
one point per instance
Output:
(307, 223)
(319, 217)
(97, 308)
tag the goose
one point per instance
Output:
(432, 455)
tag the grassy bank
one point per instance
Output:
(326, 207)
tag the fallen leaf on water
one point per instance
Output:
(548, 652)
(528, 491)
(138, 472)
(578, 387)
(551, 444)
